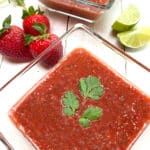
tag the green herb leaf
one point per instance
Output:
(28, 39)
(39, 11)
(68, 111)
(6, 25)
(84, 122)
(31, 11)
(25, 13)
(1, 32)
(40, 27)
(28, 12)
(7, 22)
(70, 102)
(91, 87)
(90, 114)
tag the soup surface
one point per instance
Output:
(39, 114)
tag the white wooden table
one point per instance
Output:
(59, 24)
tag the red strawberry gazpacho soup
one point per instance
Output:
(77, 8)
(82, 104)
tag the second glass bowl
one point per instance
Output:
(87, 10)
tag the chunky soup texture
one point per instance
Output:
(39, 113)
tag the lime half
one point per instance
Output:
(128, 18)
(135, 38)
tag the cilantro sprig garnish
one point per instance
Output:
(90, 114)
(91, 87)
(71, 103)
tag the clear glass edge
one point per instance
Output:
(93, 4)
(96, 36)
(67, 33)
(101, 7)
(68, 14)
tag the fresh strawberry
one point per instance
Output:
(12, 41)
(38, 44)
(32, 18)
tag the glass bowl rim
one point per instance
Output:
(93, 4)
(78, 26)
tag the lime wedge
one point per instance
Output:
(135, 38)
(128, 19)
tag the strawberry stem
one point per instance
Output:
(40, 27)
(31, 11)
(7, 22)
(30, 38)
(5, 25)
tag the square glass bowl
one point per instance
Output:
(78, 36)
(87, 10)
